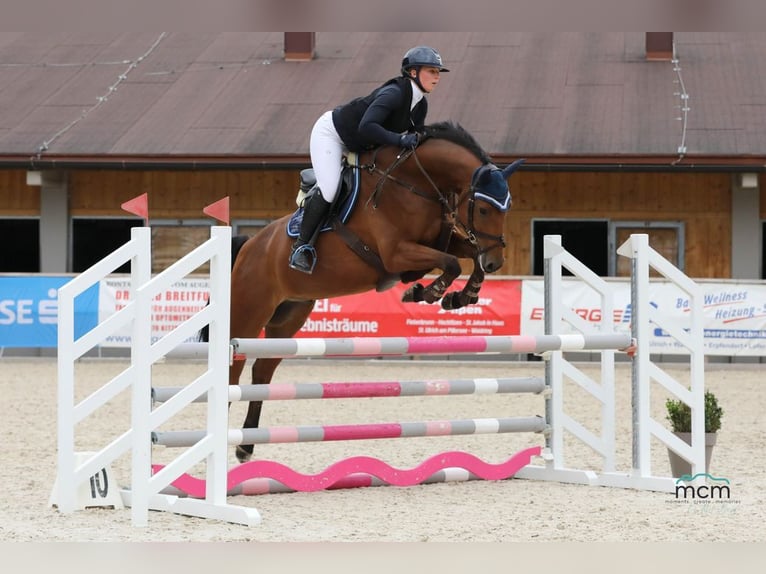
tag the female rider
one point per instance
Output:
(391, 115)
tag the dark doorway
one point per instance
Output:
(94, 239)
(20, 245)
(763, 251)
(586, 240)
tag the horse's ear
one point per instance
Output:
(512, 167)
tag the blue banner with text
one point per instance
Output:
(29, 311)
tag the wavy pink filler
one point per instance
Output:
(195, 487)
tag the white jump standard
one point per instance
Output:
(152, 407)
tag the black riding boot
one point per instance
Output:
(303, 256)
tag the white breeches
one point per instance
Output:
(327, 152)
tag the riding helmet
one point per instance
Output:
(422, 56)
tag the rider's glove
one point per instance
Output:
(408, 141)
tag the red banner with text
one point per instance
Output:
(384, 315)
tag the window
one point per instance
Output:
(665, 237)
(251, 227)
(595, 242)
(20, 245)
(93, 239)
(171, 240)
(586, 240)
(763, 251)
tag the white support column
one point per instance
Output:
(65, 483)
(554, 402)
(645, 372)
(640, 384)
(561, 317)
(143, 494)
(141, 402)
(746, 240)
(54, 222)
(558, 319)
(70, 413)
(218, 367)
(212, 447)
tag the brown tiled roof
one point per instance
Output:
(232, 96)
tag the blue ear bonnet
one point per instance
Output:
(491, 186)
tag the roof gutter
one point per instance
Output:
(557, 163)
(638, 163)
(155, 163)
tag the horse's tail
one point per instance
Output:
(236, 245)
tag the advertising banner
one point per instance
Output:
(735, 313)
(169, 309)
(579, 297)
(364, 315)
(384, 314)
(29, 311)
(735, 318)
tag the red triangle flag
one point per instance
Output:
(219, 210)
(138, 206)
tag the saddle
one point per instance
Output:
(342, 205)
(340, 211)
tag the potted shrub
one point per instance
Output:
(680, 417)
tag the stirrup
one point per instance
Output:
(308, 251)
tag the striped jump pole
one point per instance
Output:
(366, 389)
(272, 477)
(399, 346)
(193, 350)
(264, 476)
(436, 345)
(291, 434)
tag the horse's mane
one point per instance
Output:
(457, 134)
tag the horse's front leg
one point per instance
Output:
(469, 295)
(436, 289)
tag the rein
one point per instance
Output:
(386, 175)
(449, 209)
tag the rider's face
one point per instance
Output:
(428, 76)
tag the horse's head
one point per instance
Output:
(488, 200)
(480, 188)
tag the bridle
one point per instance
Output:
(450, 202)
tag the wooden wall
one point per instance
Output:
(702, 201)
(183, 194)
(16, 198)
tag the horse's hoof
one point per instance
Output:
(451, 301)
(242, 455)
(414, 294)
(457, 300)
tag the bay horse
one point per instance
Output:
(417, 211)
